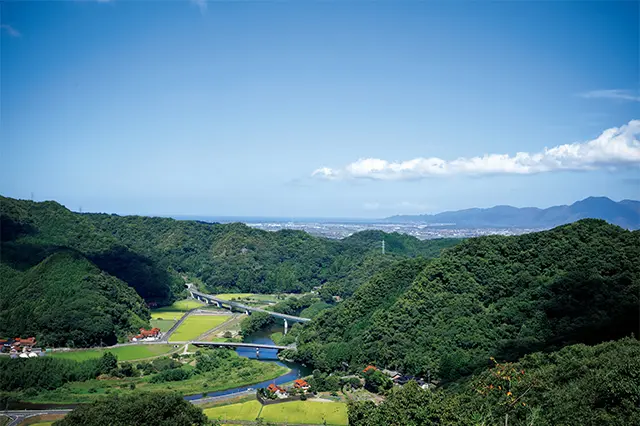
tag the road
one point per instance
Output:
(247, 308)
(18, 416)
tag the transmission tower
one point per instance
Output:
(383, 246)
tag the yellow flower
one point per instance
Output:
(509, 394)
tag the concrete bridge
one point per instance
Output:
(241, 345)
(209, 299)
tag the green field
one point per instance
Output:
(305, 412)
(124, 353)
(176, 310)
(233, 372)
(163, 324)
(244, 411)
(167, 315)
(334, 413)
(277, 337)
(229, 296)
(195, 325)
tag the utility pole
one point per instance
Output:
(382, 246)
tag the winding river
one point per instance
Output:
(266, 355)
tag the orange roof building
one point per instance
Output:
(369, 368)
(29, 341)
(300, 384)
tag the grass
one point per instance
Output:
(277, 337)
(244, 411)
(41, 420)
(176, 310)
(229, 296)
(124, 353)
(305, 412)
(163, 324)
(195, 325)
(235, 372)
(334, 413)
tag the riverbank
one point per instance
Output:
(232, 373)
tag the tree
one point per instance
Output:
(108, 363)
(161, 409)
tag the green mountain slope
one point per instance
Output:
(235, 257)
(500, 296)
(578, 385)
(65, 300)
(153, 255)
(39, 228)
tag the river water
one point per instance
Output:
(266, 355)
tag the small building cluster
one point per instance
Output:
(299, 385)
(146, 335)
(277, 391)
(21, 348)
(401, 379)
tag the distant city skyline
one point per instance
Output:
(316, 109)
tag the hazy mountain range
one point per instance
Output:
(625, 213)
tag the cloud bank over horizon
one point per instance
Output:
(615, 147)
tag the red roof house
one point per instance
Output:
(300, 384)
(369, 368)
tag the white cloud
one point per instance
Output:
(10, 30)
(617, 94)
(202, 4)
(615, 147)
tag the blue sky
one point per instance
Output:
(339, 109)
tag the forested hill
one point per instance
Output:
(64, 300)
(151, 254)
(236, 257)
(490, 296)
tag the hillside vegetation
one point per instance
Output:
(578, 385)
(65, 300)
(64, 275)
(490, 296)
(150, 254)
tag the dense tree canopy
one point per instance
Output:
(578, 385)
(161, 409)
(500, 296)
(65, 300)
(80, 264)
(151, 253)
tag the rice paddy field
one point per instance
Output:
(300, 412)
(178, 309)
(196, 325)
(124, 353)
(229, 296)
(243, 411)
(163, 324)
(309, 412)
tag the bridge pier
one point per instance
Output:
(246, 312)
(257, 351)
(218, 304)
(286, 326)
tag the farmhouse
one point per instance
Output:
(300, 384)
(152, 334)
(277, 390)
